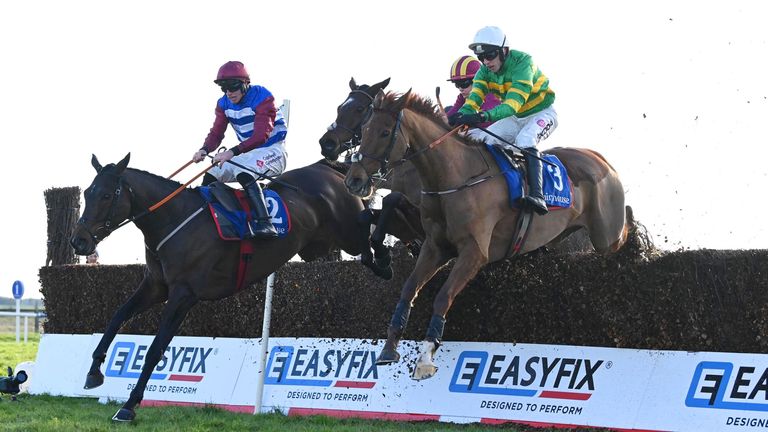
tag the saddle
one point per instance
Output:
(557, 187)
(231, 212)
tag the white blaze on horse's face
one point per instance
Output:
(346, 102)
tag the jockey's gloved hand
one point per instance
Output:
(471, 119)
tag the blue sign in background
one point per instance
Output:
(18, 290)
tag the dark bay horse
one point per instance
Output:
(401, 206)
(194, 264)
(474, 224)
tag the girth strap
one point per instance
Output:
(246, 253)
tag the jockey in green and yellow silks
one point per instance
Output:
(526, 114)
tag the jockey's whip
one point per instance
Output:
(522, 150)
(264, 176)
(439, 104)
(176, 192)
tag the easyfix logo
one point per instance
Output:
(321, 367)
(180, 363)
(724, 385)
(536, 376)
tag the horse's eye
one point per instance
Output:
(106, 196)
(385, 134)
(360, 109)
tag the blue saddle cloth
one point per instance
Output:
(557, 185)
(232, 224)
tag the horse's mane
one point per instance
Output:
(339, 167)
(155, 176)
(424, 106)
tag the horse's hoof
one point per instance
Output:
(93, 380)
(124, 415)
(387, 356)
(385, 260)
(385, 273)
(423, 372)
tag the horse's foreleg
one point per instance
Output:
(428, 263)
(367, 218)
(364, 222)
(400, 218)
(468, 263)
(176, 309)
(388, 207)
(145, 296)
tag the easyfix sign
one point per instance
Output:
(475, 382)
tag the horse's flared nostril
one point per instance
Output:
(329, 149)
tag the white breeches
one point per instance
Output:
(524, 132)
(269, 161)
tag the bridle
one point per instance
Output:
(356, 131)
(107, 226)
(385, 167)
(383, 160)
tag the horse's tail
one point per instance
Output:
(629, 221)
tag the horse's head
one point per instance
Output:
(382, 142)
(106, 205)
(344, 133)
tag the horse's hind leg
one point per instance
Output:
(607, 223)
(179, 303)
(146, 295)
(467, 264)
(429, 262)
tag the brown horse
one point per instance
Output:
(321, 211)
(401, 206)
(466, 211)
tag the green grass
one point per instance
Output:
(56, 414)
(12, 353)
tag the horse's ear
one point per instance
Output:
(352, 84)
(120, 167)
(95, 163)
(379, 99)
(400, 103)
(382, 84)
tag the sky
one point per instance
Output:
(673, 94)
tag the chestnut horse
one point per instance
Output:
(187, 261)
(466, 212)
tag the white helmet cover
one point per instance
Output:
(490, 35)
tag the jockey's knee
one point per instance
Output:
(245, 179)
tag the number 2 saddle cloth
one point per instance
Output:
(230, 210)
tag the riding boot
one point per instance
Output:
(208, 178)
(535, 197)
(261, 227)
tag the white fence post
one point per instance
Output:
(18, 317)
(264, 345)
